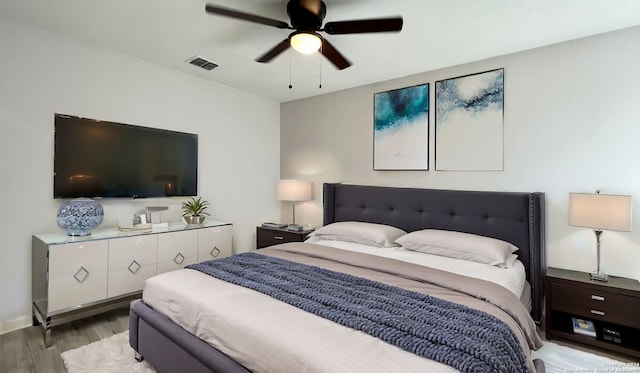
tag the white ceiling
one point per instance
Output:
(436, 34)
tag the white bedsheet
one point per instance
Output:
(226, 316)
(514, 278)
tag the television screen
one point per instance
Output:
(96, 158)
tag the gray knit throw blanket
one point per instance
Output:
(461, 337)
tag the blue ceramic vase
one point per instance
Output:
(80, 216)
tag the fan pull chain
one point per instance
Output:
(290, 85)
(321, 45)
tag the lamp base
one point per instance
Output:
(599, 276)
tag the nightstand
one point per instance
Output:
(273, 236)
(612, 306)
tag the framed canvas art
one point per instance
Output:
(469, 122)
(401, 129)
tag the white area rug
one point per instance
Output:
(113, 354)
(109, 355)
(568, 360)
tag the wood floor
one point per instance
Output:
(23, 351)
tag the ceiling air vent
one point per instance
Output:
(202, 62)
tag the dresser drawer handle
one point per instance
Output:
(178, 259)
(597, 312)
(597, 297)
(81, 274)
(214, 252)
(134, 267)
(278, 237)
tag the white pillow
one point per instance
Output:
(460, 245)
(378, 235)
(509, 263)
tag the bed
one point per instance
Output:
(161, 333)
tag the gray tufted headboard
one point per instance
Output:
(510, 216)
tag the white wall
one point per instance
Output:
(42, 73)
(571, 124)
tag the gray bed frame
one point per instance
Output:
(516, 217)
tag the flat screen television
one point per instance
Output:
(94, 158)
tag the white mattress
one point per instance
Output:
(514, 278)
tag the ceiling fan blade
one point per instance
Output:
(364, 25)
(271, 54)
(218, 10)
(332, 54)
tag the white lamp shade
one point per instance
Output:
(600, 211)
(305, 43)
(294, 190)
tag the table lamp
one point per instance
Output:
(600, 212)
(294, 191)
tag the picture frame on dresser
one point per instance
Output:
(77, 277)
(612, 308)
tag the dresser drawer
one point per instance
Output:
(177, 250)
(597, 304)
(129, 280)
(183, 243)
(75, 291)
(67, 259)
(132, 260)
(123, 251)
(214, 243)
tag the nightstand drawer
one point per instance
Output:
(270, 236)
(596, 304)
(276, 237)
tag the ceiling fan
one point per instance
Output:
(306, 19)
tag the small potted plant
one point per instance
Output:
(194, 210)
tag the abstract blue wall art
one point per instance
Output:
(401, 129)
(469, 122)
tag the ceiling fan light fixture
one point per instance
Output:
(306, 42)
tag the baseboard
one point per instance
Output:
(15, 324)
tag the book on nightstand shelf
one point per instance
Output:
(584, 327)
(274, 225)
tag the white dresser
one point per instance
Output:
(75, 277)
